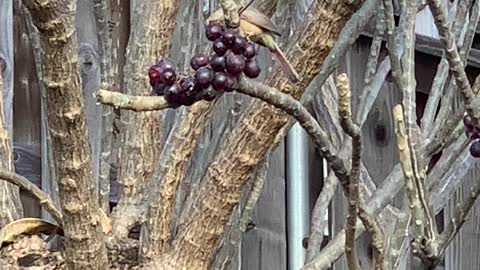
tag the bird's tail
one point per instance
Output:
(287, 68)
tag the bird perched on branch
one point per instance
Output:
(257, 27)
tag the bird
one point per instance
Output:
(257, 27)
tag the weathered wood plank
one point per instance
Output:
(462, 253)
(7, 59)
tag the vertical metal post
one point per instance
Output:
(298, 219)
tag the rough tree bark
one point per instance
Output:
(150, 40)
(220, 191)
(84, 245)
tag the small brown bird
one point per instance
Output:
(257, 27)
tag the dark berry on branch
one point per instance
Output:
(229, 83)
(187, 85)
(252, 68)
(173, 94)
(467, 121)
(209, 94)
(217, 63)
(249, 51)
(198, 61)
(154, 73)
(219, 47)
(219, 81)
(235, 64)
(239, 45)
(475, 149)
(166, 65)
(159, 88)
(228, 38)
(168, 77)
(213, 31)
(203, 77)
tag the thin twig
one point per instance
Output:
(345, 115)
(318, 216)
(391, 44)
(405, 160)
(41, 196)
(454, 60)
(245, 7)
(133, 103)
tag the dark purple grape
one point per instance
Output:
(219, 81)
(249, 51)
(235, 64)
(209, 94)
(187, 85)
(219, 47)
(475, 149)
(198, 61)
(166, 65)
(203, 77)
(252, 68)
(239, 44)
(173, 94)
(213, 31)
(228, 38)
(229, 83)
(159, 88)
(467, 121)
(168, 77)
(217, 63)
(154, 73)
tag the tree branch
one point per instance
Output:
(101, 13)
(345, 115)
(84, 245)
(454, 60)
(133, 103)
(231, 11)
(41, 196)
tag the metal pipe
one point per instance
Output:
(298, 218)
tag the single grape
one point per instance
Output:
(219, 47)
(209, 94)
(173, 94)
(235, 64)
(187, 85)
(203, 77)
(228, 38)
(475, 149)
(154, 74)
(217, 62)
(168, 77)
(198, 61)
(159, 88)
(239, 44)
(467, 122)
(166, 65)
(229, 83)
(219, 81)
(213, 31)
(252, 68)
(249, 51)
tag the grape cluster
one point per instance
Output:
(216, 73)
(472, 133)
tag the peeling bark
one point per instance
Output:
(84, 245)
(220, 191)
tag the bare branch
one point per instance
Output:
(345, 115)
(391, 43)
(42, 197)
(231, 11)
(101, 13)
(84, 243)
(454, 60)
(318, 216)
(406, 161)
(133, 103)
(373, 227)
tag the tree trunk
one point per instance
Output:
(84, 243)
